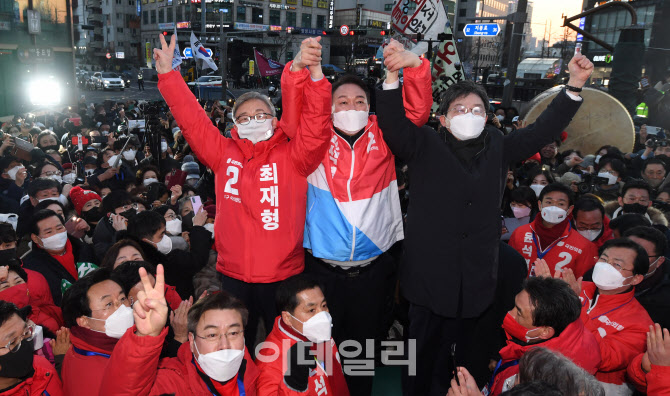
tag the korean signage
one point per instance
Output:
(275, 28)
(281, 7)
(34, 25)
(311, 32)
(250, 4)
(582, 20)
(428, 18)
(183, 25)
(120, 55)
(35, 55)
(148, 53)
(308, 3)
(250, 26)
(251, 68)
(331, 12)
(376, 24)
(166, 26)
(322, 4)
(139, 7)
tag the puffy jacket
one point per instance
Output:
(606, 235)
(261, 189)
(353, 210)
(45, 381)
(83, 367)
(271, 379)
(54, 273)
(134, 370)
(654, 383)
(45, 312)
(575, 342)
(570, 250)
(620, 325)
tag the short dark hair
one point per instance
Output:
(533, 388)
(145, 224)
(110, 257)
(286, 297)
(641, 263)
(41, 184)
(654, 160)
(7, 310)
(536, 171)
(116, 199)
(587, 204)
(554, 303)
(44, 204)
(560, 187)
(220, 300)
(523, 194)
(616, 164)
(41, 215)
(652, 235)
(146, 168)
(636, 184)
(7, 233)
(462, 89)
(127, 274)
(7, 160)
(626, 221)
(352, 79)
(15, 265)
(46, 133)
(75, 300)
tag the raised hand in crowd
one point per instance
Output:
(580, 68)
(179, 320)
(396, 58)
(466, 385)
(150, 310)
(542, 270)
(176, 194)
(309, 56)
(163, 56)
(62, 343)
(658, 348)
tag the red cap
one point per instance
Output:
(67, 166)
(535, 157)
(564, 136)
(79, 197)
(211, 211)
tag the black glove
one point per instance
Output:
(297, 375)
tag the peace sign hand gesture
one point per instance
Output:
(150, 310)
(163, 57)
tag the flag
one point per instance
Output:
(199, 52)
(446, 69)
(267, 67)
(176, 58)
(428, 18)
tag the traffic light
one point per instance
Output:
(165, 33)
(385, 32)
(328, 32)
(358, 32)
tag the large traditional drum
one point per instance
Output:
(600, 120)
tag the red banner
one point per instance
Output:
(267, 67)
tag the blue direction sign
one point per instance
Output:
(188, 54)
(481, 29)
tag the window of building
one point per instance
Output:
(256, 15)
(145, 17)
(290, 21)
(320, 21)
(388, 7)
(153, 16)
(275, 17)
(462, 12)
(241, 14)
(169, 16)
(289, 55)
(461, 26)
(119, 30)
(179, 14)
(161, 16)
(306, 20)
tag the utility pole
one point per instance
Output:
(517, 34)
(223, 58)
(203, 21)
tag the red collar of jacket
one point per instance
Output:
(605, 301)
(607, 233)
(93, 341)
(570, 343)
(288, 331)
(251, 150)
(39, 382)
(547, 236)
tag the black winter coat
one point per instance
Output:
(453, 219)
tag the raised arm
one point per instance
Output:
(202, 136)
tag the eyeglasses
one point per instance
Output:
(170, 217)
(245, 120)
(231, 336)
(461, 110)
(111, 305)
(51, 173)
(14, 345)
(614, 264)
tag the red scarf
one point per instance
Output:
(547, 236)
(93, 339)
(67, 260)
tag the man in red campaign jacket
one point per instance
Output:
(650, 371)
(299, 357)
(21, 372)
(552, 238)
(97, 311)
(611, 312)
(590, 221)
(546, 314)
(214, 361)
(260, 179)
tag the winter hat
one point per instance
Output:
(79, 197)
(67, 166)
(190, 168)
(211, 211)
(189, 158)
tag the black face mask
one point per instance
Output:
(129, 214)
(187, 221)
(7, 254)
(634, 208)
(18, 364)
(54, 147)
(93, 215)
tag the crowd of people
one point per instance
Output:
(145, 248)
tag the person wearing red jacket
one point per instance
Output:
(97, 311)
(552, 238)
(545, 314)
(588, 218)
(612, 313)
(21, 372)
(299, 357)
(214, 361)
(260, 180)
(650, 371)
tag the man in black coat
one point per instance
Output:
(453, 221)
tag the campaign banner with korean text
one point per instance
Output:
(446, 68)
(410, 17)
(267, 67)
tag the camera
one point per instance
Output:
(589, 182)
(654, 142)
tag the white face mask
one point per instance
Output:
(220, 365)
(606, 277)
(117, 323)
(500, 117)
(57, 178)
(55, 242)
(47, 199)
(598, 157)
(256, 131)
(650, 273)
(591, 235)
(210, 227)
(173, 227)
(165, 245)
(610, 177)
(96, 145)
(164, 147)
(148, 181)
(89, 172)
(12, 172)
(554, 214)
(350, 121)
(537, 188)
(129, 155)
(318, 327)
(466, 126)
(70, 178)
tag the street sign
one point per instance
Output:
(481, 29)
(344, 30)
(108, 56)
(34, 22)
(188, 54)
